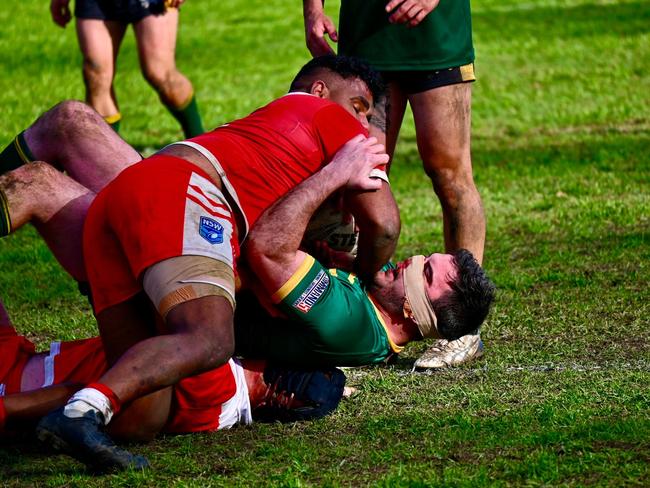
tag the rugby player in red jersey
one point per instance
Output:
(161, 239)
(241, 391)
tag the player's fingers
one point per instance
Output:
(359, 138)
(330, 28)
(397, 14)
(418, 18)
(317, 45)
(405, 13)
(393, 4)
(380, 159)
(371, 140)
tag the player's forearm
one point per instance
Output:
(291, 213)
(374, 251)
(378, 219)
(32, 405)
(310, 7)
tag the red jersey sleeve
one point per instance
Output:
(335, 126)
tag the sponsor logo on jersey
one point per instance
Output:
(313, 292)
(211, 230)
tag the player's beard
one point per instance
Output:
(389, 298)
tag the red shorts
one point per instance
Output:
(216, 399)
(159, 208)
(82, 361)
(198, 402)
(208, 401)
(15, 351)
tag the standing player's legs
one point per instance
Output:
(442, 124)
(156, 39)
(54, 203)
(99, 41)
(394, 108)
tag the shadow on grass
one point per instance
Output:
(25, 461)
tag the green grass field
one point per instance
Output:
(561, 137)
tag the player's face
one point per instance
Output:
(438, 270)
(354, 96)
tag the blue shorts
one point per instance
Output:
(126, 11)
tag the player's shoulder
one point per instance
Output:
(302, 102)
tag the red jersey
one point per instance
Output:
(269, 152)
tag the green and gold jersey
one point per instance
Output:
(330, 321)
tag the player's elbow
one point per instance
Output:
(261, 254)
(384, 231)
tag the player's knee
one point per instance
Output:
(38, 174)
(67, 120)
(452, 184)
(156, 75)
(210, 352)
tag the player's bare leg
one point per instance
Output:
(55, 204)
(99, 41)
(74, 138)
(200, 337)
(442, 124)
(388, 132)
(156, 39)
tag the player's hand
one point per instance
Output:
(317, 24)
(410, 12)
(60, 10)
(356, 160)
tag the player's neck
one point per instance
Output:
(398, 328)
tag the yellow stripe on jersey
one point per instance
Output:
(351, 276)
(5, 222)
(20, 151)
(291, 283)
(394, 347)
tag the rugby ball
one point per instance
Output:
(334, 226)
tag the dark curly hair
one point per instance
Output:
(346, 67)
(463, 309)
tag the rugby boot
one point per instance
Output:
(294, 395)
(443, 353)
(84, 439)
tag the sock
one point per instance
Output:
(188, 116)
(15, 154)
(114, 121)
(97, 397)
(5, 219)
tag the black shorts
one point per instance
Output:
(126, 11)
(412, 82)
